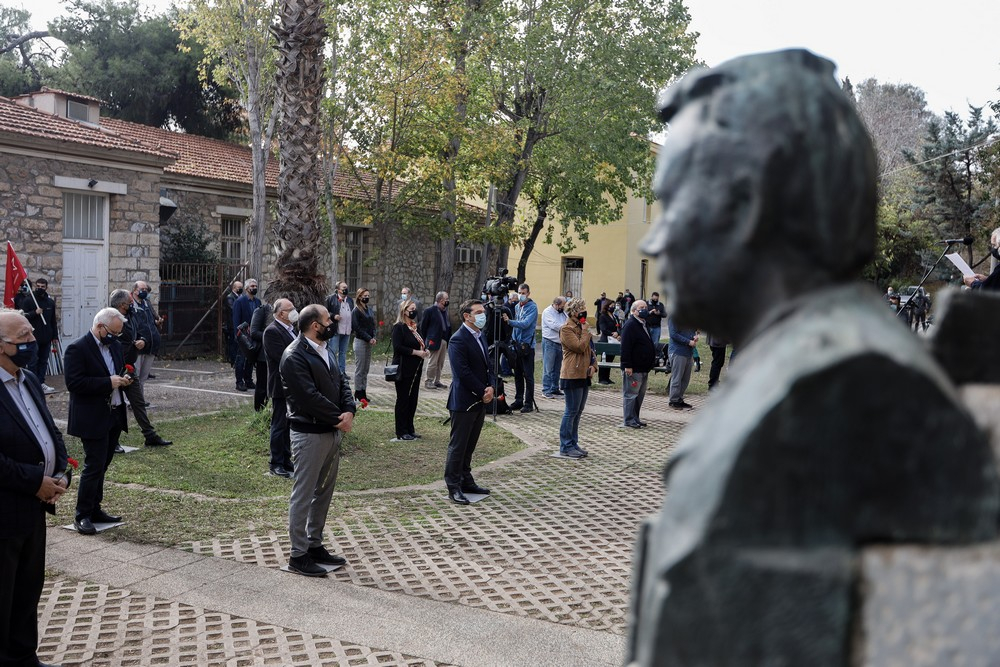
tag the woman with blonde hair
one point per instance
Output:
(364, 330)
(578, 367)
(409, 351)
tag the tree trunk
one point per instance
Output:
(507, 198)
(536, 229)
(260, 150)
(300, 94)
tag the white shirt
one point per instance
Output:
(552, 321)
(320, 350)
(19, 392)
(116, 396)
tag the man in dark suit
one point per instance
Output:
(40, 309)
(471, 391)
(277, 336)
(94, 365)
(435, 329)
(32, 463)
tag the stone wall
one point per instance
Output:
(31, 213)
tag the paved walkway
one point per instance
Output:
(537, 574)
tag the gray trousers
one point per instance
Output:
(435, 364)
(362, 363)
(316, 457)
(680, 376)
(633, 392)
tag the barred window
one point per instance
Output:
(233, 240)
(83, 216)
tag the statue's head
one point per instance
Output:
(767, 183)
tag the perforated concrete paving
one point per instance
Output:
(553, 543)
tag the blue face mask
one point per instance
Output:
(480, 320)
(642, 313)
(522, 297)
(26, 353)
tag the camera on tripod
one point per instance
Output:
(496, 287)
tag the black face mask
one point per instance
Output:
(143, 294)
(412, 314)
(344, 291)
(252, 291)
(327, 332)
(40, 294)
(445, 304)
(582, 316)
(364, 299)
(26, 354)
(239, 291)
(108, 338)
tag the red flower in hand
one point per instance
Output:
(129, 368)
(364, 403)
(73, 462)
(430, 342)
(381, 323)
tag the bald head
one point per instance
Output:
(14, 330)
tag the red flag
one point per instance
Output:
(15, 276)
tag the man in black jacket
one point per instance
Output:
(638, 359)
(320, 411)
(32, 460)
(435, 329)
(94, 377)
(278, 335)
(132, 343)
(40, 309)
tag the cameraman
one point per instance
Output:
(524, 341)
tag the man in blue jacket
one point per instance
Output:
(680, 351)
(243, 309)
(471, 391)
(526, 314)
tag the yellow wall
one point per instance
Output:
(611, 259)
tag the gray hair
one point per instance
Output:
(106, 316)
(439, 296)
(247, 282)
(558, 300)
(119, 298)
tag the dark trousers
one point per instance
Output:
(243, 367)
(465, 429)
(524, 377)
(41, 366)
(137, 401)
(231, 347)
(260, 393)
(407, 392)
(98, 453)
(22, 574)
(718, 361)
(281, 442)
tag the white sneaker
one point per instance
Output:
(47, 389)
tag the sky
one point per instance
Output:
(950, 49)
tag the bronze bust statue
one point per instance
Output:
(835, 429)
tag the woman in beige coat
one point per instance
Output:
(578, 366)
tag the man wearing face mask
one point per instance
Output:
(149, 329)
(471, 391)
(341, 306)
(131, 344)
(553, 318)
(979, 281)
(638, 359)
(654, 321)
(94, 366)
(42, 318)
(229, 333)
(526, 316)
(277, 336)
(320, 411)
(243, 310)
(405, 294)
(32, 463)
(435, 327)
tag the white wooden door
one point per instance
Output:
(84, 286)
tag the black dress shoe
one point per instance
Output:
(440, 385)
(517, 405)
(279, 471)
(119, 449)
(528, 408)
(416, 436)
(86, 527)
(151, 376)
(305, 566)
(457, 496)
(100, 516)
(321, 555)
(157, 441)
(241, 386)
(406, 436)
(250, 385)
(475, 488)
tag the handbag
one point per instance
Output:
(391, 372)
(246, 342)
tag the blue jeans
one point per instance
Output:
(551, 364)
(633, 391)
(654, 333)
(569, 428)
(339, 345)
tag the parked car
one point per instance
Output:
(908, 293)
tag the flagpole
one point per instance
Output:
(35, 299)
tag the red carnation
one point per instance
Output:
(381, 323)
(364, 403)
(73, 462)
(129, 368)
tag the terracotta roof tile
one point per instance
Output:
(18, 119)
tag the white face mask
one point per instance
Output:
(480, 320)
(293, 316)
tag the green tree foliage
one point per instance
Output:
(189, 243)
(131, 61)
(951, 166)
(25, 57)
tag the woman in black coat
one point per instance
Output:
(409, 352)
(607, 327)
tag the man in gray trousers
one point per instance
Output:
(320, 411)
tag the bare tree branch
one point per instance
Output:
(17, 40)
